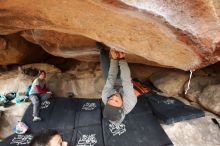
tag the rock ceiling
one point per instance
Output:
(181, 34)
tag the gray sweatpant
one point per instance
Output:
(36, 100)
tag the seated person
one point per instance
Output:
(118, 101)
(48, 138)
(38, 93)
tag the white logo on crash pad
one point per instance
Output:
(89, 106)
(169, 101)
(87, 140)
(45, 104)
(22, 139)
(117, 129)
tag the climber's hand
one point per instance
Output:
(114, 53)
(121, 55)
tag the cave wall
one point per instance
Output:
(14, 49)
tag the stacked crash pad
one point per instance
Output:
(170, 110)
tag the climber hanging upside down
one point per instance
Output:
(118, 95)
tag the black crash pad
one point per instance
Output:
(63, 114)
(62, 117)
(17, 140)
(136, 130)
(170, 110)
(88, 136)
(80, 123)
(45, 113)
(142, 106)
(88, 113)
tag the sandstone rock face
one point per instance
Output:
(2, 43)
(84, 80)
(72, 46)
(143, 72)
(210, 98)
(197, 86)
(170, 82)
(217, 7)
(63, 44)
(16, 81)
(189, 39)
(50, 69)
(197, 17)
(196, 132)
(16, 50)
(5, 30)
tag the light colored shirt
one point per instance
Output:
(127, 91)
(36, 82)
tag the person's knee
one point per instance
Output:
(47, 96)
(36, 103)
(35, 100)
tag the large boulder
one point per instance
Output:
(210, 98)
(170, 82)
(185, 35)
(196, 132)
(73, 46)
(198, 84)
